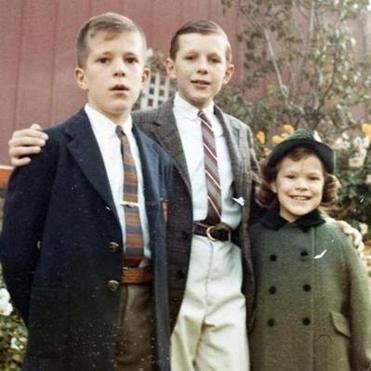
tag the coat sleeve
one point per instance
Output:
(360, 310)
(25, 210)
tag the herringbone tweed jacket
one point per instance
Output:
(159, 124)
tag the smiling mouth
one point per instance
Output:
(300, 198)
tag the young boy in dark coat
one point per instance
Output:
(83, 242)
(313, 303)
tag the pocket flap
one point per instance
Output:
(341, 323)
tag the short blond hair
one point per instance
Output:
(113, 23)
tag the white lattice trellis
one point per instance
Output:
(157, 91)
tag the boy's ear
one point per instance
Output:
(228, 73)
(80, 78)
(146, 74)
(170, 68)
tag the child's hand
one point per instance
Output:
(26, 142)
(354, 233)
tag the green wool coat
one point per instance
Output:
(313, 302)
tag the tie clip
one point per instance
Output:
(129, 204)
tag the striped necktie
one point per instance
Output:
(211, 171)
(134, 250)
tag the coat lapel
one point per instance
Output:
(232, 137)
(149, 163)
(85, 150)
(168, 136)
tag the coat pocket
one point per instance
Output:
(341, 324)
(47, 322)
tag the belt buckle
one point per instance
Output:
(209, 230)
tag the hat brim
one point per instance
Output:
(324, 152)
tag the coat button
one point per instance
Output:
(304, 255)
(306, 321)
(113, 285)
(180, 274)
(273, 258)
(272, 290)
(113, 246)
(307, 287)
(186, 234)
(271, 322)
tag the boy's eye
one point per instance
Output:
(103, 60)
(131, 60)
(215, 60)
(189, 57)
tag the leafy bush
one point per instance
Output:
(353, 159)
(13, 334)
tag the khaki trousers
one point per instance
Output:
(135, 350)
(210, 333)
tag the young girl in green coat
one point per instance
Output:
(313, 302)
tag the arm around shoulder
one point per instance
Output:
(24, 143)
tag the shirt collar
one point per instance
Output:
(188, 110)
(103, 126)
(273, 220)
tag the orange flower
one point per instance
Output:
(276, 139)
(288, 128)
(366, 128)
(260, 136)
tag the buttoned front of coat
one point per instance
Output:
(313, 304)
(62, 251)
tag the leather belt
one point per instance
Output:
(218, 232)
(137, 275)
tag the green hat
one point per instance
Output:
(304, 138)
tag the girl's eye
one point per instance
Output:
(189, 57)
(289, 176)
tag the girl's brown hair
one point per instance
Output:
(268, 199)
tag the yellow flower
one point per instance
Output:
(366, 128)
(276, 139)
(288, 128)
(260, 136)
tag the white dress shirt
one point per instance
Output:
(110, 147)
(189, 126)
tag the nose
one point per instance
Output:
(202, 66)
(301, 185)
(119, 68)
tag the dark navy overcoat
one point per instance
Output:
(61, 250)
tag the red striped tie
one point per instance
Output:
(134, 250)
(211, 171)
